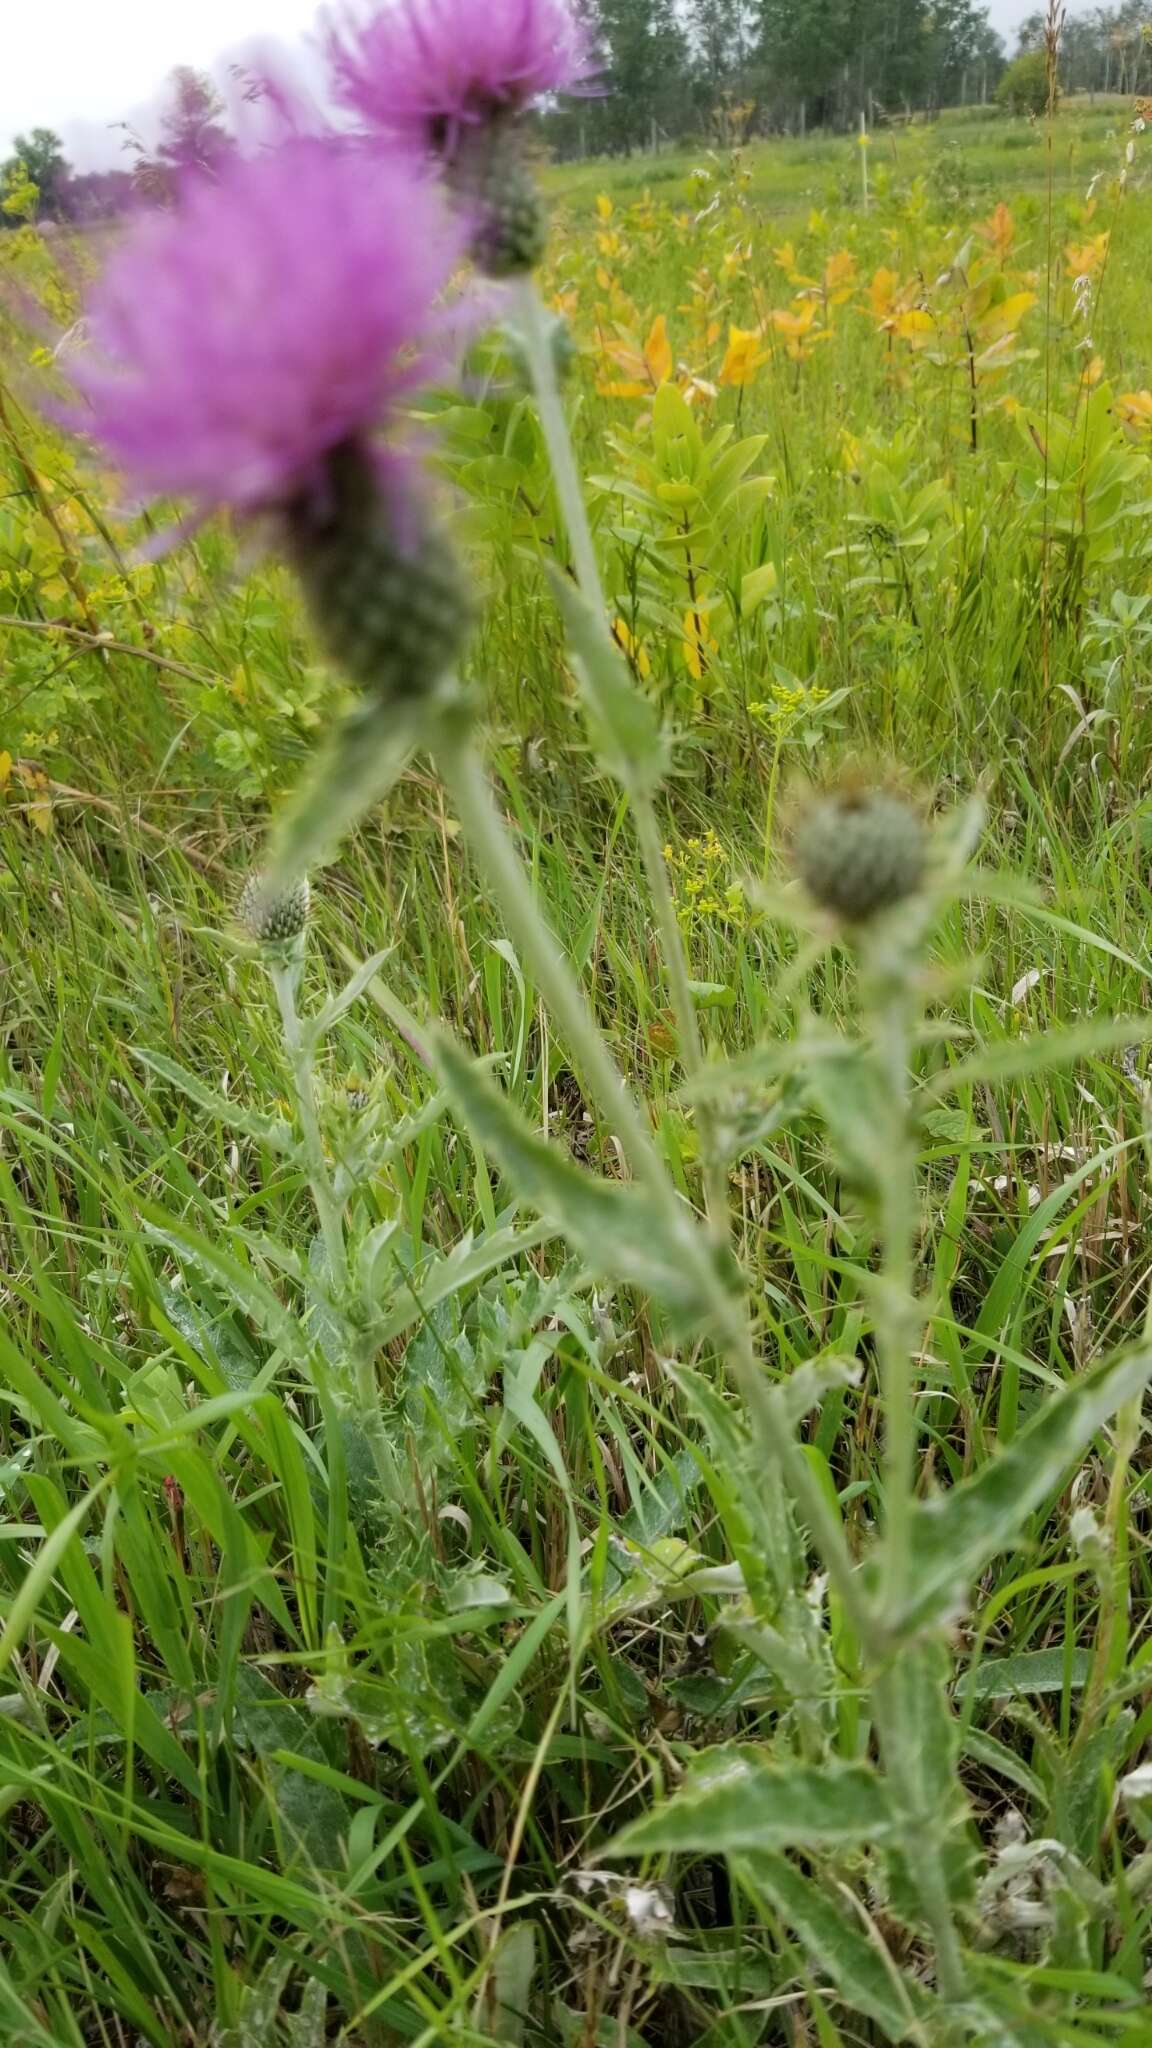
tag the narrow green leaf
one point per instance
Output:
(627, 724)
(337, 1005)
(239, 1284)
(466, 1266)
(263, 1130)
(505, 2000)
(618, 1230)
(1010, 1059)
(1028, 1672)
(840, 1942)
(953, 1537)
(364, 760)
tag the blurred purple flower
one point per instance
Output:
(271, 319)
(422, 71)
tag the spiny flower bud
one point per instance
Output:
(273, 918)
(859, 851)
(498, 197)
(383, 584)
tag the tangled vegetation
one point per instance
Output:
(519, 1646)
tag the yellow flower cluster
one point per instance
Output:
(703, 896)
(784, 707)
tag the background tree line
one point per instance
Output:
(37, 182)
(723, 70)
(730, 69)
(1106, 49)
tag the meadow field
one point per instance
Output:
(528, 1689)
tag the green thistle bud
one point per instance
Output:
(498, 194)
(859, 851)
(383, 584)
(273, 918)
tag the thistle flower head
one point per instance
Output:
(273, 316)
(860, 850)
(424, 71)
(270, 917)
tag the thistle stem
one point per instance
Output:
(570, 492)
(485, 831)
(285, 981)
(558, 441)
(888, 992)
(487, 835)
(896, 1302)
(920, 1842)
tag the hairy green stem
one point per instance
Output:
(683, 1004)
(485, 831)
(919, 1839)
(887, 1000)
(570, 492)
(487, 835)
(558, 441)
(887, 973)
(771, 1430)
(284, 981)
(360, 1381)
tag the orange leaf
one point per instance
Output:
(1135, 411)
(1004, 318)
(882, 292)
(658, 351)
(743, 357)
(916, 326)
(840, 276)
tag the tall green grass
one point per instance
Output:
(275, 1766)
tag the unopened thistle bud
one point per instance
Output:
(384, 586)
(271, 917)
(860, 851)
(452, 78)
(499, 200)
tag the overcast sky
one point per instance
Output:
(77, 65)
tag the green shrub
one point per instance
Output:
(1024, 86)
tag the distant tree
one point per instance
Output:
(1024, 86)
(840, 57)
(192, 133)
(38, 160)
(646, 74)
(92, 196)
(719, 33)
(1103, 49)
(963, 55)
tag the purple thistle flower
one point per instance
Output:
(424, 71)
(272, 318)
(245, 348)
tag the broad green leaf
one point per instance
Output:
(737, 1798)
(504, 2006)
(627, 724)
(952, 1538)
(840, 1942)
(215, 1340)
(1026, 1673)
(713, 995)
(238, 1283)
(758, 585)
(620, 1231)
